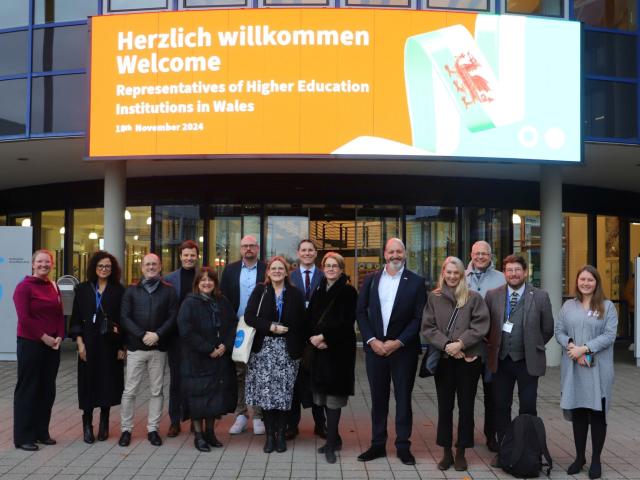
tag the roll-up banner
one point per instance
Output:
(15, 264)
(335, 82)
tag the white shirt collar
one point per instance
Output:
(311, 269)
(520, 290)
(387, 274)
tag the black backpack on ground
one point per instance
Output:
(523, 446)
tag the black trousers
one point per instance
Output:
(399, 368)
(456, 378)
(504, 380)
(489, 405)
(175, 394)
(35, 391)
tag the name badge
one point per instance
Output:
(507, 327)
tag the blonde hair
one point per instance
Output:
(462, 291)
(336, 256)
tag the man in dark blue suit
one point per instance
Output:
(389, 315)
(306, 278)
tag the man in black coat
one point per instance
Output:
(148, 316)
(182, 281)
(237, 282)
(389, 315)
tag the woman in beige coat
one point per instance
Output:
(455, 321)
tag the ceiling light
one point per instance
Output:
(93, 236)
(148, 220)
(26, 222)
(62, 230)
(135, 237)
(515, 219)
(201, 239)
(127, 215)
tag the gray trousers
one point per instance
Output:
(153, 361)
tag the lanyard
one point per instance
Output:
(98, 303)
(280, 304)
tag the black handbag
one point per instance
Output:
(109, 328)
(431, 357)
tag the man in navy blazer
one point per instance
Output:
(237, 282)
(306, 278)
(389, 315)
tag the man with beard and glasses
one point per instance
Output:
(237, 282)
(389, 316)
(148, 316)
(521, 326)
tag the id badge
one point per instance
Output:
(507, 327)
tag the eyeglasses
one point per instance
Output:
(329, 266)
(251, 245)
(103, 267)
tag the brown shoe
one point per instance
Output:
(446, 461)
(174, 430)
(460, 463)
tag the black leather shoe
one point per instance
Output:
(320, 431)
(291, 433)
(125, 439)
(87, 431)
(492, 445)
(576, 466)
(337, 448)
(406, 457)
(200, 443)
(154, 438)
(595, 470)
(330, 454)
(47, 441)
(373, 453)
(174, 430)
(210, 437)
(28, 447)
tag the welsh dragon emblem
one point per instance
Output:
(472, 88)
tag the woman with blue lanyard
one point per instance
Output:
(95, 326)
(276, 310)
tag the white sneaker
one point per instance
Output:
(258, 426)
(239, 426)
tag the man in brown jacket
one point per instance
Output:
(521, 325)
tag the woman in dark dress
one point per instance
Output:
(207, 325)
(276, 310)
(332, 314)
(95, 326)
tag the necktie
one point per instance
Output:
(513, 301)
(307, 284)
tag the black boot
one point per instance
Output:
(103, 428)
(210, 434)
(333, 438)
(269, 427)
(87, 427)
(281, 441)
(200, 443)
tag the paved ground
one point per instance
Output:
(242, 455)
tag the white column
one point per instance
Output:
(551, 246)
(115, 201)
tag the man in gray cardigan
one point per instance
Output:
(521, 325)
(482, 277)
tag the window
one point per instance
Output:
(608, 252)
(227, 225)
(526, 241)
(113, 6)
(610, 54)
(13, 107)
(317, 3)
(46, 11)
(618, 14)
(62, 48)
(611, 109)
(174, 225)
(88, 238)
(482, 5)
(213, 3)
(379, 3)
(14, 13)
(137, 239)
(547, 8)
(575, 249)
(15, 55)
(52, 237)
(431, 237)
(57, 104)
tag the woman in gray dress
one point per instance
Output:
(586, 329)
(276, 310)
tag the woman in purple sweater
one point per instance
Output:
(40, 333)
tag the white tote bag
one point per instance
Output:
(244, 341)
(244, 338)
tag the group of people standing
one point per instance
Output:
(486, 324)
